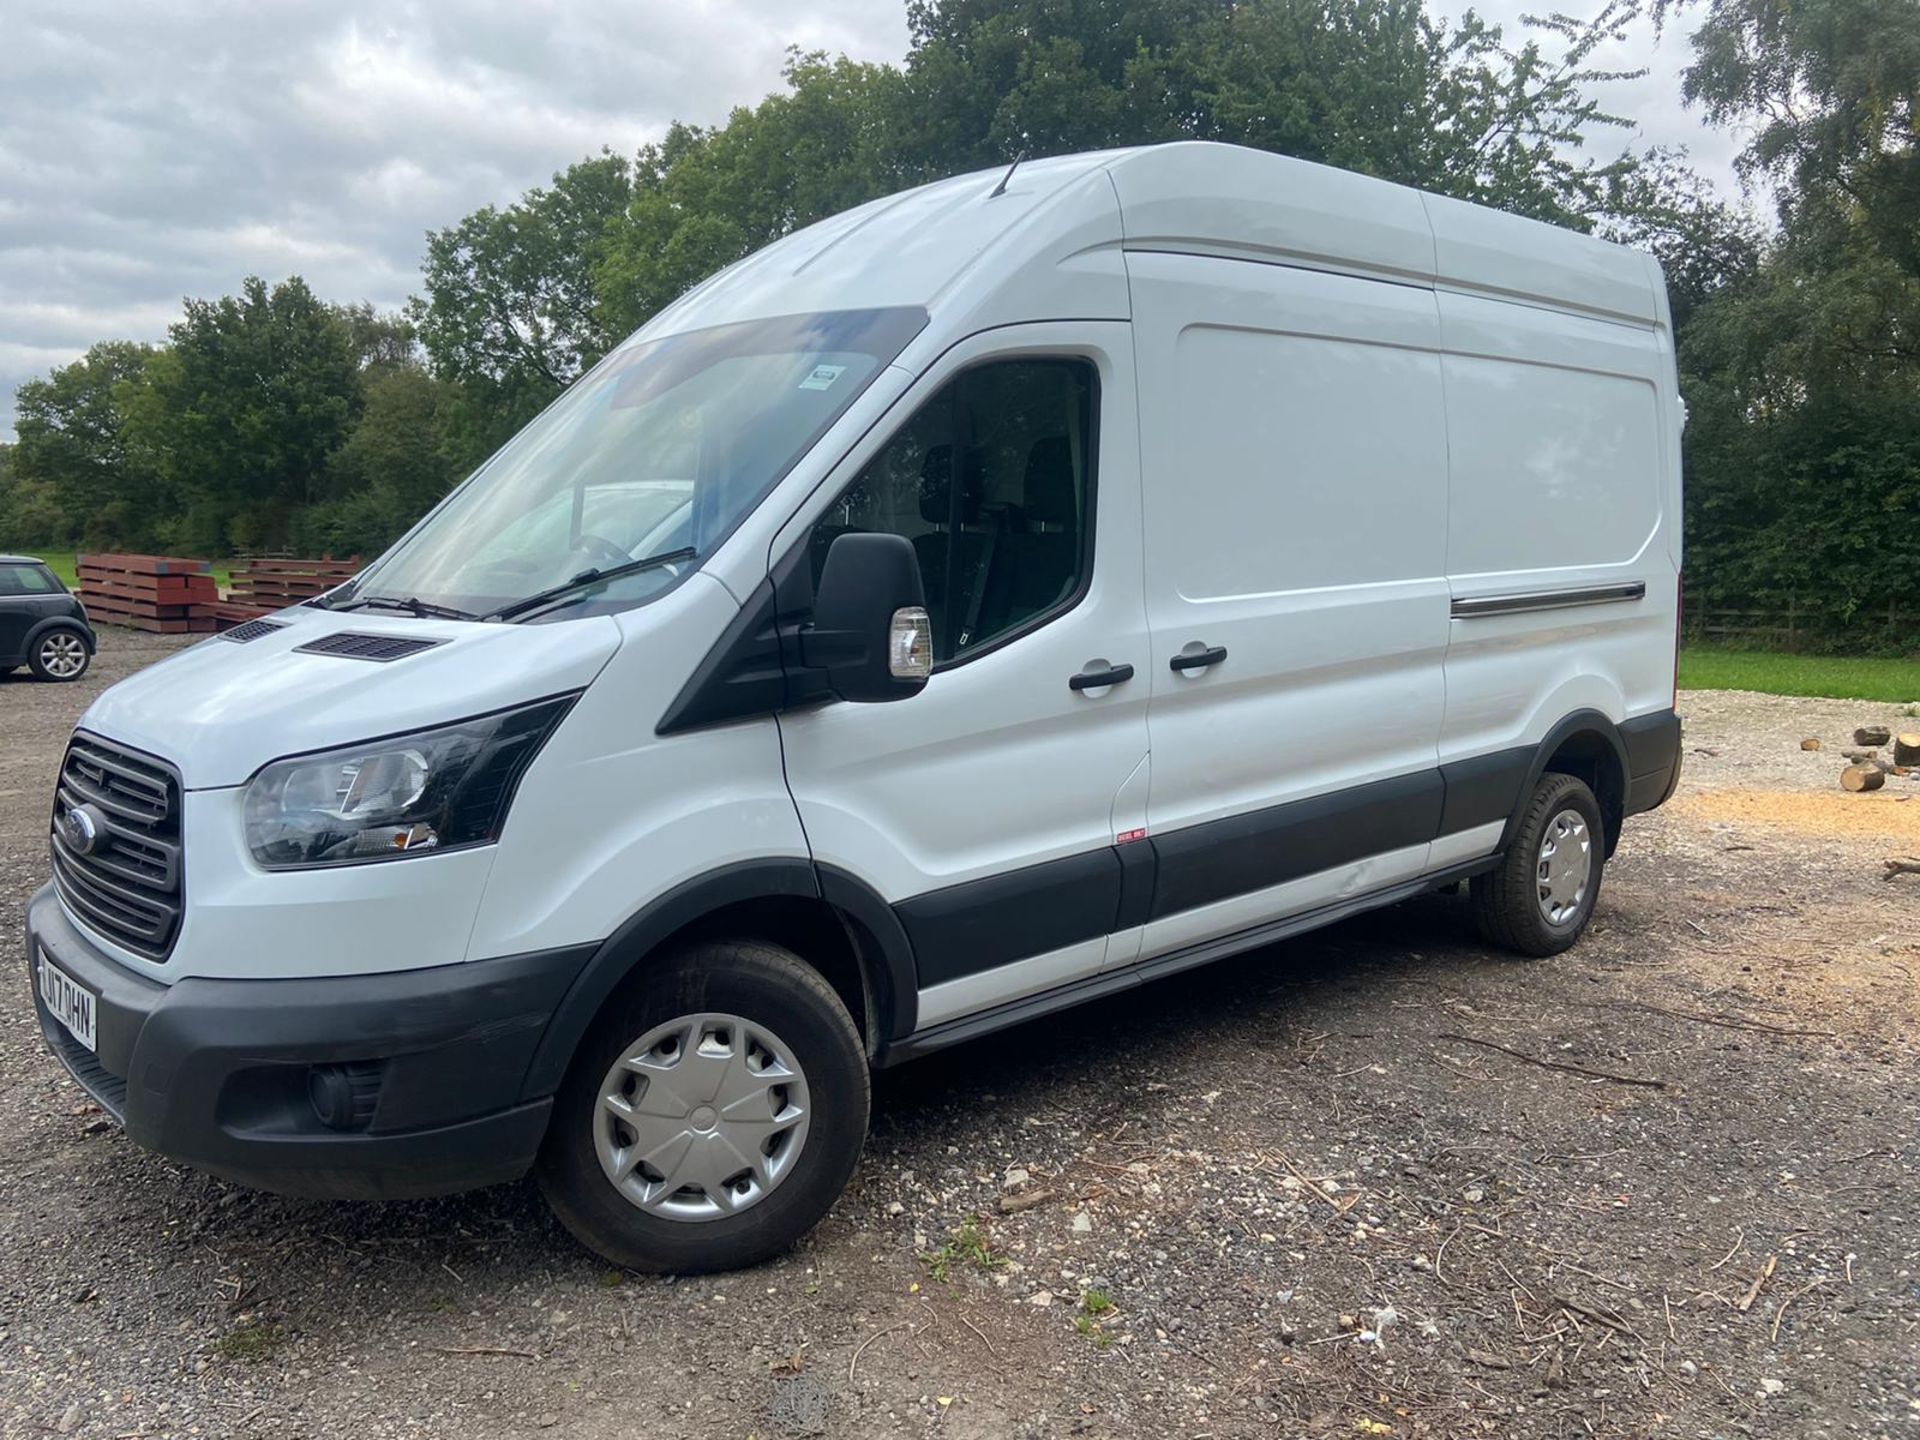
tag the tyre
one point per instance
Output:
(712, 1115)
(60, 655)
(1540, 898)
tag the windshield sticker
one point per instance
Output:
(821, 377)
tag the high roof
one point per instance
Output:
(1047, 242)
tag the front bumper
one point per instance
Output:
(214, 1073)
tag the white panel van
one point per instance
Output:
(1247, 544)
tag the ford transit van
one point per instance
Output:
(999, 595)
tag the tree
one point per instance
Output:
(704, 198)
(390, 470)
(1830, 89)
(510, 316)
(1706, 246)
(1804, 380)
(1376, 86)
(73, 453)
(1373, 85)
(254, 395)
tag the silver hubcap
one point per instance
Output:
(63, 656)
(702, 1117)
(1566, 865)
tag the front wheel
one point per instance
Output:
(713, 1113)
(1539, 899)
(60, 655)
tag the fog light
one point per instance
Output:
(344, 1096)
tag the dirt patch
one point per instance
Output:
(1377, 1181)
(1879, 815)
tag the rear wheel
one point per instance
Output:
(1540, 898)
(712, 1115)
(60, 655)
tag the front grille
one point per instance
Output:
(128, 887)
(354, 646)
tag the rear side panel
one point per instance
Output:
(1562, 529)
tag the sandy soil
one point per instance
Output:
(1378, 1181)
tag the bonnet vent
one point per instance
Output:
(351, 646)
(252, 630)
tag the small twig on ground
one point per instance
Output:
(485, 1350)
(1780, 1314)
(862, 1348)
(1314, 1185)
(1644, 1080)
(1745, 1302)
(983, 1336)
(1014, 1204)
(1599, 1316)
(1738, 1242)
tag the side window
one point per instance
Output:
(25, 580)
(992, 481)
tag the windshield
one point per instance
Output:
(665, 446)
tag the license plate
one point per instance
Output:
(73, 1006)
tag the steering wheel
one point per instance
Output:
(605, 553)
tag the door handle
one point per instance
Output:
(1098, 679)
(1198, 659)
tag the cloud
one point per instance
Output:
(148, 153)
(151, 152)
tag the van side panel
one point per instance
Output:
(1293, 454)
(1558, 553)
(612, 815)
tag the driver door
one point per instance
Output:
(985, 809)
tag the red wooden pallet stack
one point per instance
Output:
(262, 584)
(161, 593)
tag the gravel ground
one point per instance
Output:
(1377, 1181)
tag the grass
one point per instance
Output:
(251, 1342)
(65, 563)
(1096, 1309)
(967, 1246)
(1705, 667)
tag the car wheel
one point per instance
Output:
(1539, 899)
(712, 1115)
(60, 655)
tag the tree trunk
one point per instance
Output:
(1862, 777)
(1871, 735)
(1906, 749)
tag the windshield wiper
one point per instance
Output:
(589, 577)
(413, 605)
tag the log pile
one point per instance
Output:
(1867, 769)
(160, 593)
(262, 584)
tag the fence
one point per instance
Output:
(1807, 623)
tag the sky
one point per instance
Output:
(151, 152)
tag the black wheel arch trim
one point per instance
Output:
(60, 622)
(888, 974)
(1578, 723)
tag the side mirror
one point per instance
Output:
(870, 631)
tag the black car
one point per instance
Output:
(41, 625)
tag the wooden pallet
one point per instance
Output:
(164, 594)
(271, 582)
(229, 614)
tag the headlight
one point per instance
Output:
(431, 790)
